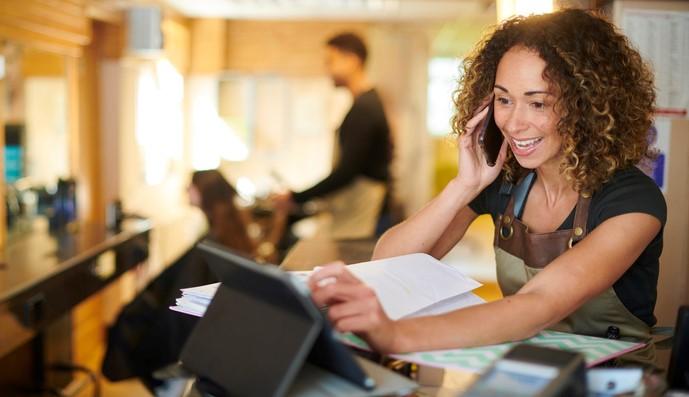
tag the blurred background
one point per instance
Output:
(113, 104)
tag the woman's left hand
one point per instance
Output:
(352, 306)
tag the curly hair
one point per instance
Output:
(605, 91)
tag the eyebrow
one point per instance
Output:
(527, 93)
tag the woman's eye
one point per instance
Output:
(538, 105)
(502, 101)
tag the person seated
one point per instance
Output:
(210, 191)
(579, 252)
(147, 335)
(227, 223)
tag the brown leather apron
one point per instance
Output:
(520, 255)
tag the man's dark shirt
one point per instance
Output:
(365, 148)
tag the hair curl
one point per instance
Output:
(605, 91)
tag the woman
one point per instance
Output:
(211, 192)
(579, 250)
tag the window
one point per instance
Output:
(443, 75)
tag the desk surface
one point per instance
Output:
(306, 254)
(40, 255)
(43, 275)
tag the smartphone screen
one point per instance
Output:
(490, 137)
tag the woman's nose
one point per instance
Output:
(515, 121)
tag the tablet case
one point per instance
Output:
(220, 346)
(258, 330)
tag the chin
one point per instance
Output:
(530, 162)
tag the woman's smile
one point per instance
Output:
(524, 147)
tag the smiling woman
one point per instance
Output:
(602, 91)
(578, 226)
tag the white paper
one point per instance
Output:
(407, 286)
(203, 291)
(662, 38)
(448, 305)
(187, 311)
(195, 300)
(409, 283)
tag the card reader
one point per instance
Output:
(533, 371)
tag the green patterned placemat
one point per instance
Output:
(477, 359)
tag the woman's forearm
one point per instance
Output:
(422, 230)
(513, 318)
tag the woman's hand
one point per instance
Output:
(474, 172)
(352, 306)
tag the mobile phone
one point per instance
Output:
(490, 137)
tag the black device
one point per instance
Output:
(490, 137)
(259, 330)
(533, 371)
(678, 370)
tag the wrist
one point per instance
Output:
(386, 339)
(462, 190)
(398, 342)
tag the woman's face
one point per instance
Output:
(524, 109)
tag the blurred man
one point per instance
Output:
(357, 187)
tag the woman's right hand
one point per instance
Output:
(474, 173)
(353, 306)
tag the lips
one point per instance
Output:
(523, 147)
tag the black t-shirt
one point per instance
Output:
(365, 148)
(628, 191)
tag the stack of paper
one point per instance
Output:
(407, 286)
(195, 300)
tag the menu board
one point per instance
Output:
(662, 38)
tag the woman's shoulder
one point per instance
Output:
(630, 181)
(629, 190)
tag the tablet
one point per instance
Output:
(269, 327)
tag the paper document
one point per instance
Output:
(408, 285)
(456, 302)
(195, 300)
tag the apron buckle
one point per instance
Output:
(506, 235)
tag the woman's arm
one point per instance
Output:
(573, 278)
(437, 227)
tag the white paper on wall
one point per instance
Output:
(662, 38)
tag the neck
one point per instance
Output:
(358, 84)
(554, 184)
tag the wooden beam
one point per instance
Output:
(54, 25)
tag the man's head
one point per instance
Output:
(345, 56)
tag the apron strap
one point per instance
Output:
(581, 214)
(521, 192)
(515, 206)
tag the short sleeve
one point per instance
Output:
(629, 191)
(489, 200)
(478, 204)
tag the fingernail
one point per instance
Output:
(326, 281)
